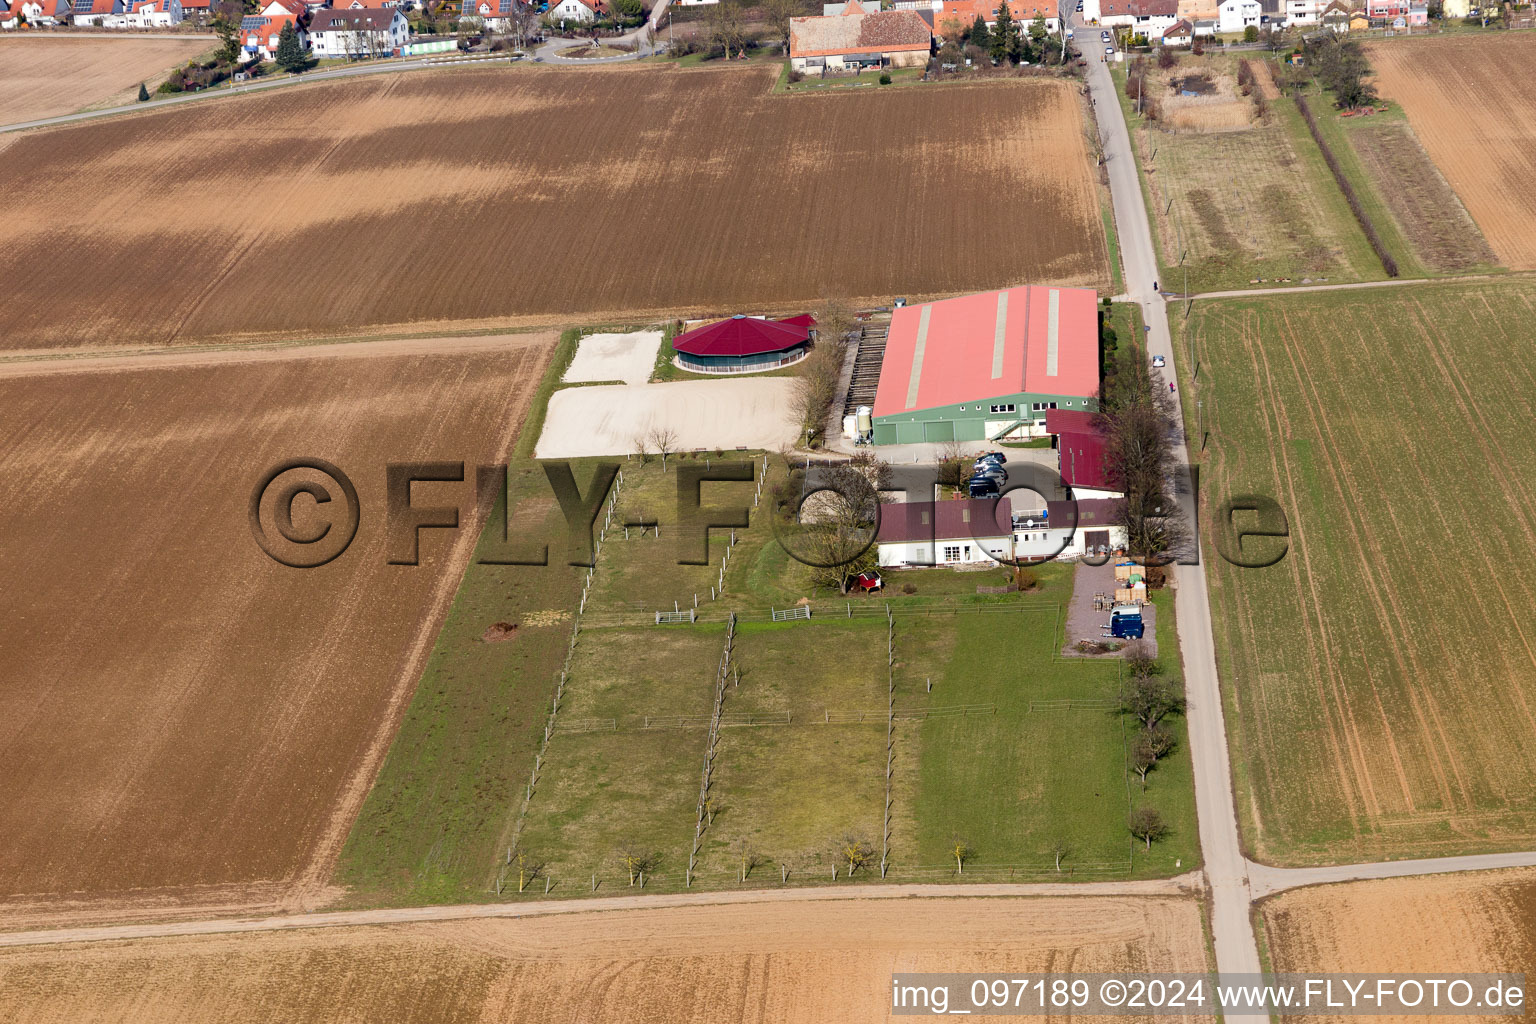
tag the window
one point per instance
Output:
(951, 552)
(1053, 405)
(1036, 407)
(1004, 407)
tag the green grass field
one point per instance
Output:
(1381, 679)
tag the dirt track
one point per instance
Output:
(184, 721)
(784, 962)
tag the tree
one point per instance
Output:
(664, 440)
(723, 27)
(1341, 65)
(637, 862)
(226, 25)
(835, 527)
(978, 35)
(1147, 825)
(1037, 34)
(747, 859)
(855, 852)
(1137, 423)
(778, 13)
(1152, 744)
(1150, 699)
(1251, 34)
(1005, 35)
(143, 93)
(949, 55)
(1166, 58)
(290, 52)
(961, 851)
(1059, 851)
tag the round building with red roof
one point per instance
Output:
(745, 344)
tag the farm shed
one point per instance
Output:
(987, 366)
(744, 344)
(855, 39)
(1068, 529)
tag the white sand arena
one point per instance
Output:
(753, 413)
(607, 357)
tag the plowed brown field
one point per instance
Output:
(763, 964)
(500, 194)
(180, 715)
(42, 77)
(1472, 102)
(1436, 925)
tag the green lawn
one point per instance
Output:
(1380, 679)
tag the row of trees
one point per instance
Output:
(1138, 416)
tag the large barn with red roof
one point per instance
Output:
(745, 344)
(988, 366)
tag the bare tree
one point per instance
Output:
(1059, 851)
(1147, 825)
(637, 861)
(1138, 425)
(522, 22)
(724, 28)
(528, 868)
(855, 851)
(1150, 698)
(642, 443)
(664, 440)
(747, 859)
(835, 528)
(778, 13)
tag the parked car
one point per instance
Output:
(1109, 51)
(997, 457)
(1159, 362)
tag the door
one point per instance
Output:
(938, 430)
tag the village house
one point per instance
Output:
(1234, 16)
(260, 32)
(1181, 33)
(94, 12)
(371, 32)
(953, 18)
(1150, 18)
(579, 11)
(1304, 12)
(983, 532)
(149, 14)
(854, 40)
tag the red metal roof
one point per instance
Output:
(741, 336)
(964, 519)
(803, 320)
(1082, 461)
(1091, 513)
(1070, 421)
(1031, 339)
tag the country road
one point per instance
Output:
(1220, 843)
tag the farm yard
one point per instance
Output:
(1436, 925)
(41, 77)
(1483, 148)
(1241, 197)
(801, 963)
(187, 722)
(388, 182)
(1380, 678)
(472, 808)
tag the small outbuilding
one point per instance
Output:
(745, 344)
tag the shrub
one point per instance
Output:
(795, 75)
(1251, 34)
(885, 78)
(909, 588)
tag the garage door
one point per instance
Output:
(938, 430)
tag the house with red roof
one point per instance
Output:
(953, 18)
(259, 33)
(36, 12)
(150, 14)
(94, 12)
(353, 33)
(987, 531)
(745, 344)
(987, 366)
(857, 39)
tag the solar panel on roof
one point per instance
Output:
(82, 6)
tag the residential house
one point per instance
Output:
(1271, 12)
(580, 11)
(94, 12)
(1205, 28)
(1181, 33)
(1418, 14)
(1150, 18)
(854, 39)
(1386, 10)
(361, 5)
(1358, 22)
(1304, 12)
(1335, 17)
(952, 18)
(260, 32)
(10, 13)
(1234, 16)
(152, 14)
(37, 12)
(861, 7)
(202, 10)
(375, 32)
(1197, 10)
(496, 14)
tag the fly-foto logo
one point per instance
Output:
(305, 512)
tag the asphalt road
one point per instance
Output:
(1220, 844)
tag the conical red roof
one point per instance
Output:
(740, 336)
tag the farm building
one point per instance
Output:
(963, 532)
(987, 366)
(1080, 453)
(745, 344)
(369, 32)
(972, 531)
(855, 39)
